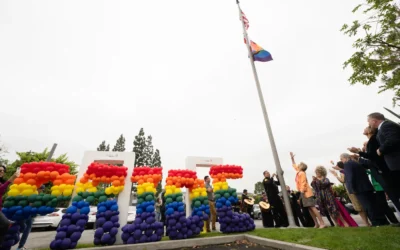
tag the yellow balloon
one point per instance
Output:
(14, 186)
(27, 192)
(56, 192)
(67, 192)
(168, 192)
(196, 194)
(108, 191)
(203, 193)
(216, 188)
(78, 190)
(140, 191)
(13, 192)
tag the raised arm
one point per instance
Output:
(294, 162)
(339, 178)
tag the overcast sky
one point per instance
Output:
(79, 72)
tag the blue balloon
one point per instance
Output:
(70, 210)
(85, 210)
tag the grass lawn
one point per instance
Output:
(361, 238)
(335, 238)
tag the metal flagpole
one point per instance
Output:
(279, 171)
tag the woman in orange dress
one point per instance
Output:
(306, 194)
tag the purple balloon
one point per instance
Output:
(65, 244)
(107, 226)
(76, 236)
(81, 223)
(125, 236)
(73, 245)
(71, 229)
(97, 241)
(65, 222)
(114, 218)
(105, 239)
(131, 240)
(75, 217)
(61, 235)
(113, 231)
(99, 232)
(100, 222)
(116, 224)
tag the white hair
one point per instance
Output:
(345, 156)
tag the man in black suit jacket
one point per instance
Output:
(389, 139)
(272, 191)
(379, 169)
(357, 182)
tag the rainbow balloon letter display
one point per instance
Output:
(230, 222)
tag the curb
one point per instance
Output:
(278, 244)
(217, 240)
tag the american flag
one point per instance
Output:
(245, 20)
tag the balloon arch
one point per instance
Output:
(102, 184)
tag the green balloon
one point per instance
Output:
(53, 203)
(227, 195)
(149, 198)
(197, 204)
(168, 200)
(85, 195)
(217, 196)
(37, 204)
(234, 194)
(205, 202)
(8, 204)
(97, 194)
(77, 198)
(39, 198)
(140, 200)
(23, 203)
(179, 199)
(90, 199)
(102, 198)
(66, 198)
(46, 197)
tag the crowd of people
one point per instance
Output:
(370, 174)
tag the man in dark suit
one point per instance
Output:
(357, 182)
(389, 139)
(272, 191)
(378, 167)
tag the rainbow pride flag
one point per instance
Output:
(259, 54)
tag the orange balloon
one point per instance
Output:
(103, 179)
(18, 180)
(31, 182)
(116, 183)
(54, 174)
(40, 174)
(140, 181)
(57, 182)
(70, 182)
(95, 183)
(83, 180)
(150, 180)
(108, 180)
